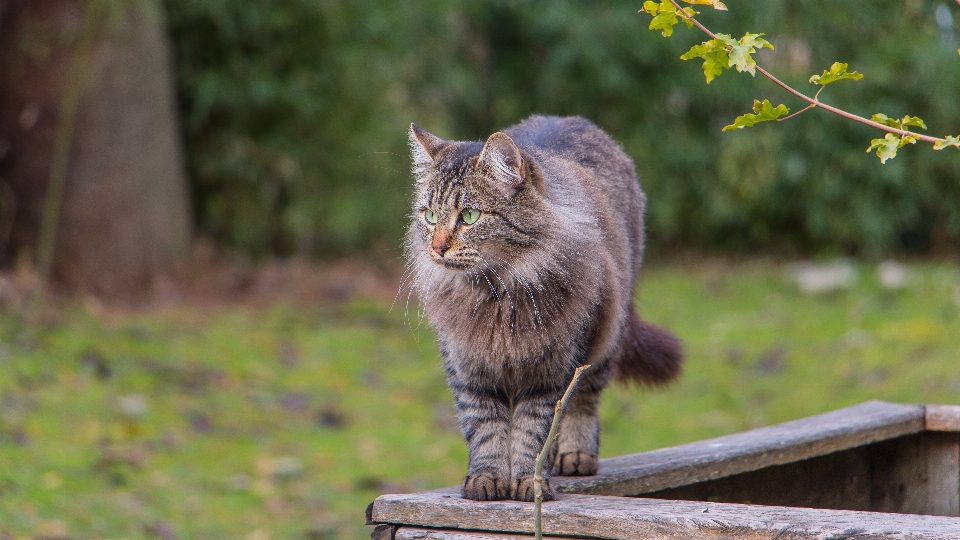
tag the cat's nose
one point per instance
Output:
(440, 249)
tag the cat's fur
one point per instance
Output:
(541, 283)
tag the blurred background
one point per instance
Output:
(201, 206)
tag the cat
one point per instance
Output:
(523, 251)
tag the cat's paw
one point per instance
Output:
(521, 489)
(576, 464)
(485, 486)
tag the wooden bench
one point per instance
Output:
(874, 470)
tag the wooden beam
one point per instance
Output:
(624, 518)
(636, 474)
(913, 474)
(943, 417)
(417, 533)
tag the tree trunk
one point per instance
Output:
(124, 215)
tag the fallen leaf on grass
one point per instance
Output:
(331, 417)
(160, 529)
(771, 361)
(297, 402)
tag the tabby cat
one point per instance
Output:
(523, 251)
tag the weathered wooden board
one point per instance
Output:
(919, 474)
(646, 472)
(913, 474)
(624, 518)
(417, 533)
(942, 418)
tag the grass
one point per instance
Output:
(285, 421)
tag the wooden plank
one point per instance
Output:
(636, 474)
(839, 481)
(624, 518)
(416, 533)
(913, 474)
(943, 417)
(384, 532)
(918, 474)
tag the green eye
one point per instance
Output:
(470, 216)
(430, 216)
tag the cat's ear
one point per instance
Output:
(501, 159)
(424, 147)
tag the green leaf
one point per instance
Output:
(912, 121)
(903, 123)
(764, 113)
(715, 4)
(838, 71)
(887, 147)
(947, 141)
(665, 16)
(741, 51)
(714, 54)
(649, 7)
(881, 118)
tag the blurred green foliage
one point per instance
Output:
(296, 112)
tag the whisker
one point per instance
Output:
(413, 286)
(506, 289)
(493, 291)
(408, 272)
(474, 285)
(537, 320)
(426, 295)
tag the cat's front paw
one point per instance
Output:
(485, 486)
(521, 489)
(576, 464)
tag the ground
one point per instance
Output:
(277, 402)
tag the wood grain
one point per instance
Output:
(384, 532)
(921, 475)
(913, 474)
(636, 474)
(416, 533)
(942, 418)
(623, 518)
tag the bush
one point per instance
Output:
(295, 113)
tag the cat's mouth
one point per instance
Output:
(453, 263)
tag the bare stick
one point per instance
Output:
(538, 467)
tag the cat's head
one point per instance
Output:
(475, 204)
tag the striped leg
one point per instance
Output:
(531, 422)
(484, 422)
(579, 438)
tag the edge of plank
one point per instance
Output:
(624, 518)
(419, 533)
(813, 436)
(942, 417)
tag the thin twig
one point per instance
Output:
(813, 101)
(538, 467)
(803, 110)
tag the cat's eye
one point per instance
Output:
(470, 216)
(430, 216)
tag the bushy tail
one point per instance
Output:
(648, 354)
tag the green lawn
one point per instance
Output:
(285, 421)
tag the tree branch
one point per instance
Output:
(813, 101)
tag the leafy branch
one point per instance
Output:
(538, 465)
(722, 52)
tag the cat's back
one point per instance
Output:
(572, 138)
(574, 150)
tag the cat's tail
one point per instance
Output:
(648, 354)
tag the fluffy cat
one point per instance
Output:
(523, 251)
